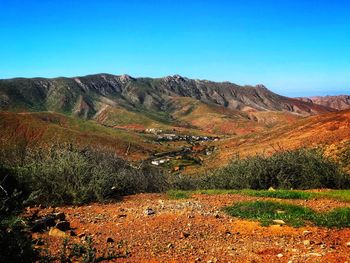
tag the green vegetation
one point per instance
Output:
(176, 194)
(341, 195)
(267, 211)
(15, 241)
(67, 175)
(297, 169)
(282, 194)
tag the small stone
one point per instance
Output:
(271, 189)
(348, 244)
(110, 240)
(280, 255)
(184, 235)
(170, 245)
(63, 225)
(278, 221)
(314, 254)
(122, 215)
(306, 232)
(306, 242)
(280, 212)
(55, 232)
(227, 232)
(149, 211)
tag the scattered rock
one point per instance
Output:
(149, 211)
(63, 225)
(307, 242)
(278, 221)
(170, 245)
(110, 240)
(306, 232)
(271, 189)
(314, 254)
(348, 244)
(55, 232)
(280, 255)
(122, 215)
(43, 223)
(184, 235)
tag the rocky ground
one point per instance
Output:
(153, 228)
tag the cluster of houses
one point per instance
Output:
(189, 138)
(185, 152)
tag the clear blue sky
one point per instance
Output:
(295, 48)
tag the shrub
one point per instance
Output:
(297, 169)
(15, 242)
(67, 175)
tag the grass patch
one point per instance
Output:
(339, 217)
(341, 195)
(266, 212)
(294, 215)
(217, 192)
(178, 194)
(282, 194)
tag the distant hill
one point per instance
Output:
(141, 103)
(86, 96)
(341, 102)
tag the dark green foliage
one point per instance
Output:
(15, 241)
(267, 211)
(297, 169)
(66, 175)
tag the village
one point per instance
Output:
(191, 154)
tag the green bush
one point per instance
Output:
(297, 169)
(67, 175)
(15, 241)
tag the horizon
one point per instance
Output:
(294, 48)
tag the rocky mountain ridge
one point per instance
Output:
(340, 102)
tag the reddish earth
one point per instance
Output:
(196, 230)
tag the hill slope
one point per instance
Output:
(331, 129)
(85, 96)
(341, 102)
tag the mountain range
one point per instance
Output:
(128, 116)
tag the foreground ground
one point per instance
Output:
(197, 230)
